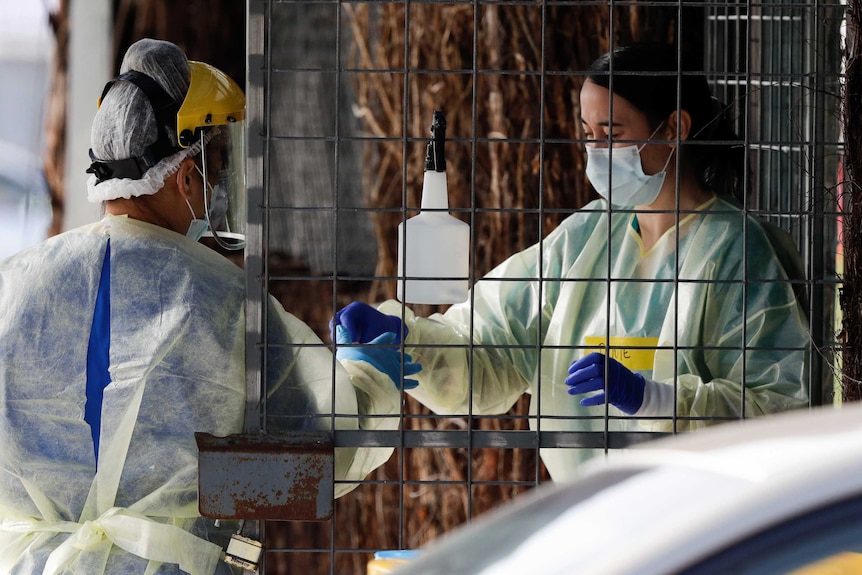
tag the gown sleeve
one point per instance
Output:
(480, 356)
(307, 388)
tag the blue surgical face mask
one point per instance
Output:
(196, 227)
(618, 176)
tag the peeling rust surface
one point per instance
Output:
(274, 477)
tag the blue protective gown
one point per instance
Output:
(175, 365)
(681, 313)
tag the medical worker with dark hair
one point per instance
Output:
(690, 297)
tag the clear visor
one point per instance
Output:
(223, 166)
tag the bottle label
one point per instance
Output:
(636, 353)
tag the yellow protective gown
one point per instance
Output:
(547, 306)
(177, 366)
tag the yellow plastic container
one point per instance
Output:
(386, 562)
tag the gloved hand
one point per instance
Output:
(364, 323)
(625, 388)
(379, 353)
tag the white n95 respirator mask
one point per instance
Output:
(618, 176)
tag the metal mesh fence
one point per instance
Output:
(340, 99)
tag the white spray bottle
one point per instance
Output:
(433, 246)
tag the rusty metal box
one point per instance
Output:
(255, 476)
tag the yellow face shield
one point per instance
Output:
(213, 113)
(223, 165)
(213, 99)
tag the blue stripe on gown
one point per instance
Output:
(98, 376)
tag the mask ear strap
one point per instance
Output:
(672, 150)
(194, 216)
(661, 124)
(669, 156)
(654, 132)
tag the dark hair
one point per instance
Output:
(647, 76)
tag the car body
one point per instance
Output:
(774, 494)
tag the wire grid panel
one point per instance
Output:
(341, 99)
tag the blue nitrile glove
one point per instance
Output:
(364, 323)
(381, 352)
(625, 388)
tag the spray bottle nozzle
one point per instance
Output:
(435, 152)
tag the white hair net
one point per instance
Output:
(124, 125)
(149, 184)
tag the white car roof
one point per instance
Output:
(660, 506)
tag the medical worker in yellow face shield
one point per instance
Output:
(121, 339)
(665, 273)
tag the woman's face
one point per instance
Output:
(627, 127)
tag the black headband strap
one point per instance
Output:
(165, 110)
